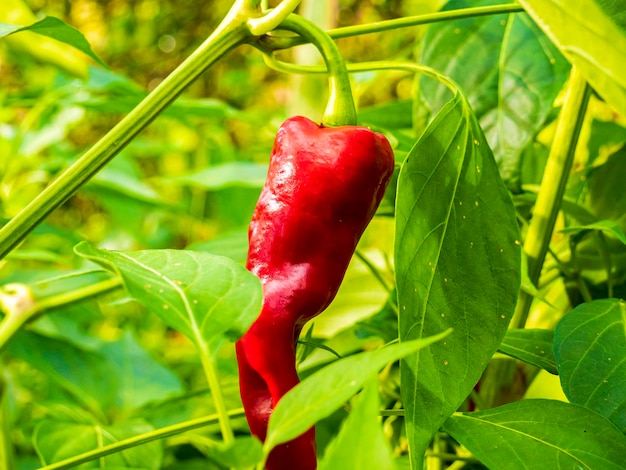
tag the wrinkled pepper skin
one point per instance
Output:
(323, 187)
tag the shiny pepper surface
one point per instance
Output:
(323, 187)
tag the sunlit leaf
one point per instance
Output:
(590, 349)
(205, 297)
(590, 39)
(540, 434)
(457, 260)
(55, 29)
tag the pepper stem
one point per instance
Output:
(340, 110)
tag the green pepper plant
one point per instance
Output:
(428, 274)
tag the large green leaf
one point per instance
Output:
(457, 259)
(360, 442)
(591, 39)
(590, 348)
(509, 70)
(56, 441)
(541, 434)
(205, 297)
(326, 390)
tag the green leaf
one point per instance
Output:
(610, 227)
(393, 115)
(508, 69)
(328, 389)
(55, 29)
(243, 452)
(590, 350)
(360, 442)
(86, 374)
(227, 175)
(205, 297)
(540, 434)
(55, 441)
(457, 260)
(533, 346)
(141, 379)
(590, 39)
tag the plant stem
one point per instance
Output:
(340, 110)
(276, 43)
(231, 33)
(139, 440)
(553, 183)
(408, 67)
(216, 392)
(268, 22)
(14, 320)
(6, 450)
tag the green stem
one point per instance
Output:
(553, 183)
(231, 33)
(6, 449)
(276, 43)
(340, 110)
(216, 392)
(13, 321)
(139, 439)
(365, 67)
(374, 270)
(270, 21)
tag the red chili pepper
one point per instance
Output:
(323, 187)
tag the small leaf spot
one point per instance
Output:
(518, 243)
(147, 286)
(476, 203)
(457, 30)
(503, 316)
(445, 363)
(476, 142)
(443, 315)
(160, 291)
(166, 307)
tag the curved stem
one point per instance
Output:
(270, 21)
(365, 67)
(14, 320)
(231, 33)
(553, 185)
(276, 43)
(216, 392)
(340, 110)
(139, 439)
